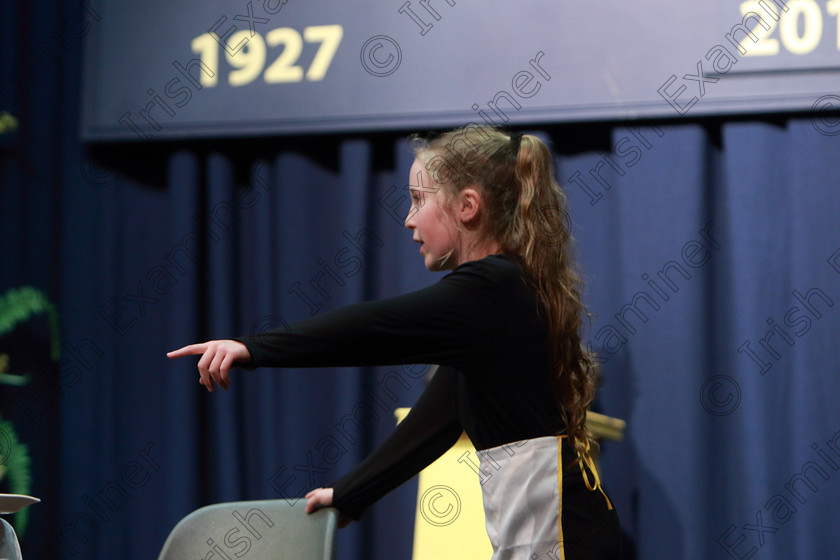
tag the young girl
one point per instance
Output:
(504, 327)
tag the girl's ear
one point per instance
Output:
(470, 207)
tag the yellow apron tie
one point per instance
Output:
(560, 490)
(586, 459)
(585, 462)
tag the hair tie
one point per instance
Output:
(515, 141)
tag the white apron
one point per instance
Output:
(522, 498)
(522, 488)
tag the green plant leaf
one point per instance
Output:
(19, 304)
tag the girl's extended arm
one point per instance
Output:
(445, 323)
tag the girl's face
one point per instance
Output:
(432, 227)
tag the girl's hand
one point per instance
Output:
(217, 357)
(322, 497)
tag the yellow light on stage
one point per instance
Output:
(449, 520)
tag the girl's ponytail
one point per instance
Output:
(543, 227)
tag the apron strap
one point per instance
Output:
(586, 462)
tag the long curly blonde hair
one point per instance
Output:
(527, 217)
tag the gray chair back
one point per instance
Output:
(262, 529)
(9, 547)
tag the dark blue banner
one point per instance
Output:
(231, 68)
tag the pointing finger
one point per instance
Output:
(190, 350)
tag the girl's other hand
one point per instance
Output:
(322, 497)
(217, 358)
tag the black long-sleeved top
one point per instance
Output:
(483, 325)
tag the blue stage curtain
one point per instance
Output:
(713, 279)
(710, 250)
